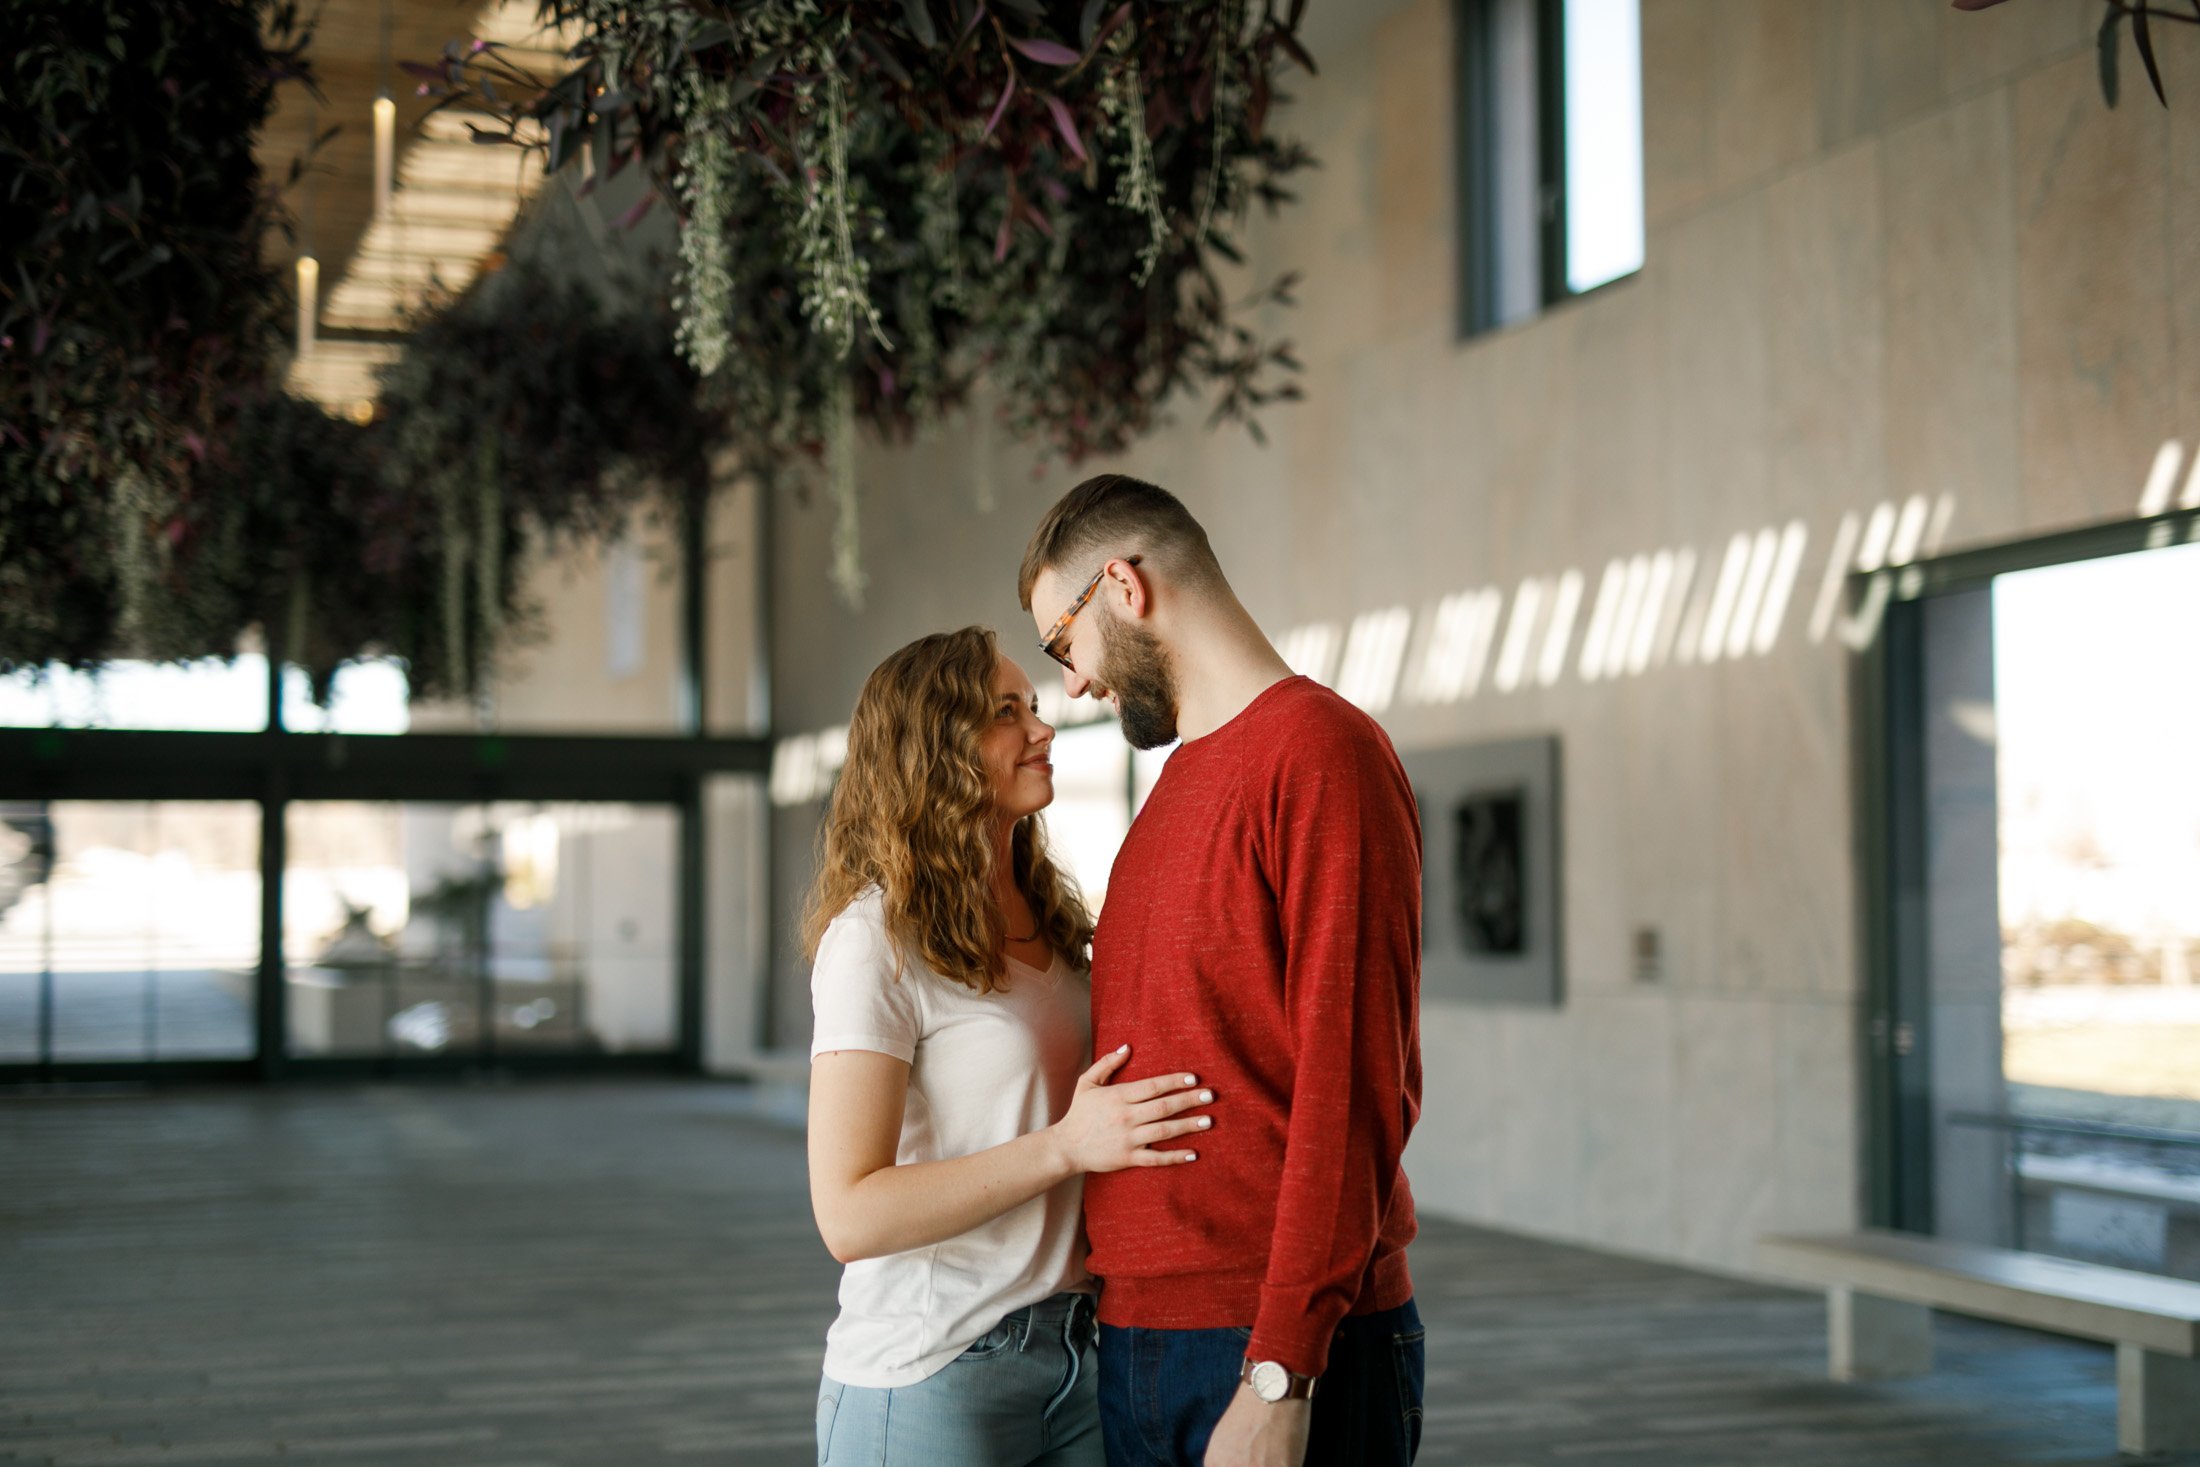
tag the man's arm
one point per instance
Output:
(1346, 862)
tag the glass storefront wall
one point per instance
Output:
(480, 930)
(128, 930)
(207, 696)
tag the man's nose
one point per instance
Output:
(1074, 682)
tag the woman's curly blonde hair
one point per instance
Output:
(913, 816)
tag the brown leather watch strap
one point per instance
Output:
(1297, 1387)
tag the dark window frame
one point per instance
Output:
(1474, 126)
(275, 767)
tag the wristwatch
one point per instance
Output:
(1272, 1383)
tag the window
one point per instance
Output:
(1549, 113)
(2036, 1025)
(485, 930)
(129, 930)
(209, 695)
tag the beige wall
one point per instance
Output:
(599, 651)
(1893, 251)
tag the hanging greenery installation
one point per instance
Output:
(881, 199)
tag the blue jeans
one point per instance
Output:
(1023, 1395)
(1163, 1390)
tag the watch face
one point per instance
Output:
(1270, 1380)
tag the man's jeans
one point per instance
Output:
(1163, 1390)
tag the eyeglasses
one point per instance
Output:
(1051, 643)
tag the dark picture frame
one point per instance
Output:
(1491, 904)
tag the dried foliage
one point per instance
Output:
(881, 199)
(526, 413)
(135, 308)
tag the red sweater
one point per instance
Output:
(1263, 931)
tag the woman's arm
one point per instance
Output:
(868, 1207)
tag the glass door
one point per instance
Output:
(2050, 1037)
(129, 930)
(480, 931)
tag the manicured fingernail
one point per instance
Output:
(1205, 1122)
(1191, 1079)
(1191, 1156)
(1206, 1095)
(1123, 1049)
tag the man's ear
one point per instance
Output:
(1130, 590)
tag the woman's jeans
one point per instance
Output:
(1025, 1395)
(1163, 1390)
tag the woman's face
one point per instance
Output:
(1015, 746)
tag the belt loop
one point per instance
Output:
(1024, 1320)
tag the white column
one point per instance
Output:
(1870, 1338)
(2157, 1401)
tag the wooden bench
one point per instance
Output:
(1881, 1289)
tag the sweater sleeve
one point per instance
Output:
(1345, 857)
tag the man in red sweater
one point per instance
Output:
(1263, 928)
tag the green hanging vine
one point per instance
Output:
(882, 203)
(883, 199)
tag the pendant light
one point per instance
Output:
(385, 127)
(309, 268)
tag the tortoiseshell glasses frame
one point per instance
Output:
(1051, 643)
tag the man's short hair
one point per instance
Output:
(1113, 515)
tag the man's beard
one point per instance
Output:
(1135, 667)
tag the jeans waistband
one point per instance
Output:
(1068, 1313)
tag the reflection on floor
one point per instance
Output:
(620, 1275)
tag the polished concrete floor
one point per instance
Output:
(623, 1274)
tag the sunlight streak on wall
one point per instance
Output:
(1512, 662)
(1596, 644)
(1309, 649)
(1732, 573)
(1373, 654)
(1651, 609)
(2162, 479)
(1551, 666)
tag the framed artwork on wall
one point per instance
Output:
(1490, 868)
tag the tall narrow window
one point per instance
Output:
(1549, 110)
(1603, 202)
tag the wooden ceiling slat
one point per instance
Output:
(347, 59)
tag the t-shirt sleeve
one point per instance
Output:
(857, 999)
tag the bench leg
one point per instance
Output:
(2157, 1401)
(1870, 1338)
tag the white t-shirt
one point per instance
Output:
(983, 1070)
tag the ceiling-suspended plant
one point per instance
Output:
(135, 308)
(881, 199)
(530, 412)
(525, 413)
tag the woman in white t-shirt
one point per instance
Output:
(952, 1110)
